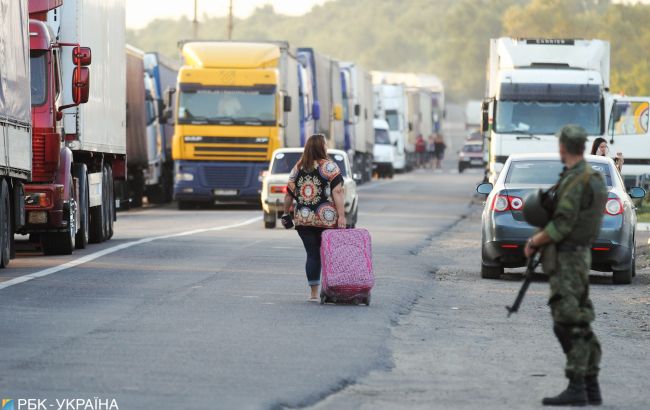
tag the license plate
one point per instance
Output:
(225, 192)
(37, 217)
(476, 162)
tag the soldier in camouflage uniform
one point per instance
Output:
(578, 211)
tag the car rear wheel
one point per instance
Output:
(491, 272)
(624, 277)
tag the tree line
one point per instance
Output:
(448, 38)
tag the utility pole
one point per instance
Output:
(230, 23)
(195, 23)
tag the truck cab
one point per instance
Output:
(536, 86)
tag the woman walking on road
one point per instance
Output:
(316, 184)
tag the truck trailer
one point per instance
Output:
(235, 106)
(359, 102)
(325, 77)
(159, 178)
(15, 121)
(391, 105)
(79, 148)
(536, 86)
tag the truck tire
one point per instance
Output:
(5, 225)
(106, 201)
(135, 188)
(97, 217)
(80, 171)
(62, 243)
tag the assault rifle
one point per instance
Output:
(528, 277)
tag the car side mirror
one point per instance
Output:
(357, 110)
(485, 188)
(81, 56)
(637, 193)
(315, 110)
(286, 102)
(80, 85)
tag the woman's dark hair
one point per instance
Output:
(596, 144)
(315, 150)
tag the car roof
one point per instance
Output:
(300, 150)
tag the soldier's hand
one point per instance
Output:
(529, 250)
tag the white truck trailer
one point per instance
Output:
(391, 105)
(536, 86)
(15, 121)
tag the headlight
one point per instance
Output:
(184, 176)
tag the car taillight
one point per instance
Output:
(278, 189)
(504, 203)
(614, 206)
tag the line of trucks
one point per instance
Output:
(237, 102)
(535, 86)
(76, 102)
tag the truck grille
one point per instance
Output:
(229, 148)
(226, 177)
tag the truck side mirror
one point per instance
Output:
(286, 102)
(81, 56)
(485, 116)
(169, 95)
(357, 110)
(80, 85)
(315, 110)
(160, 109)
(410, 126)
(338, 112)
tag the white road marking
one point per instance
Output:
(113, 249)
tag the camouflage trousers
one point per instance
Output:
(573, 313)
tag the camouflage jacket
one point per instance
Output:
(579, 205)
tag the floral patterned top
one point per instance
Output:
(313, 194)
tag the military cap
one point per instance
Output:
(572, 135)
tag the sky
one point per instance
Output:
(141, 12)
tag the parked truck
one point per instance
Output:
(420, 114)
(359, 102)
(160, 175)
(535, 86)
(325, 77)
(391, 105)
(234, 108)
(78, 150)
(15, 121)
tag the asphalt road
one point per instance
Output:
(206, 309)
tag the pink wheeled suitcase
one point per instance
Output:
(346, 260)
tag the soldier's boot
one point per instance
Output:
(593, 391)
(574, 395)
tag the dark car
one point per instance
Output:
(504, 231)
(471, 155)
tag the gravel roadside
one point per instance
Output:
(456, 348)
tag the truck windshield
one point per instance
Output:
(392, 117)
(227, 106)
(381, 136)
(38, 79)
(546, 118)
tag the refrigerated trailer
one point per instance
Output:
(79, 148)
(15, 122)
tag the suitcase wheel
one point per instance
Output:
(323, 299)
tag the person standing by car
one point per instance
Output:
(600, 148)
(579, 204)
(420, 150)
(439, 149)
(316, 184)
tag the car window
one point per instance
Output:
(283, 162)
(546, 172)
(472, 148)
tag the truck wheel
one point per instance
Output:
(106, 201)
(62, 243)
(5, 225)
(97, 215)
(80, 171)
(135, 188)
